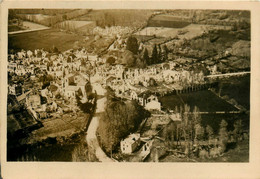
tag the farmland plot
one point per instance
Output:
(32, 26)
(189, 31)
(75, 24)
(35, 17)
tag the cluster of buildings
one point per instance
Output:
(70, 71)
(51, 82)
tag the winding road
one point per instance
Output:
(91, 136)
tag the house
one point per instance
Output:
(134, 95)
(152, 103)
(42, 115)
(11, 89)
(171, 76)
(130, 144)
(33, 101)
(20, 70)
(12, 67)
(72, 84)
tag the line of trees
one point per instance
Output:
(191, 132)
(159, 53)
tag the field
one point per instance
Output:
(205, 100)
(118, 17)
(48, 17)
(75, 24)
(43, 39)
(171, 24)
(63, 41)
(192, 30)
(32, 26)
(165, 20)
(61, 126)
(167, 17)
(34, 17)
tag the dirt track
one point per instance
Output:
(91, 133)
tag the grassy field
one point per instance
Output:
(164, 23)
(61, 126)
(46, 39)
(43, 39)
(32, 26)
(205, 100)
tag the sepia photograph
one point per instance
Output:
(119, 85)
(145, 90)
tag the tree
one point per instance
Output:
(146, 57)
(154, 59)
(55, 50)
(132, 44)
(238, 126)
(199, 132)
(111, 60)
(209, 132)
(128, 58)
(45, 79)
(165, 52)
(140, 63)
(196, 115)
(223, 135)
(88, 88)
(159, 54)
(64, 17)
(186, 127)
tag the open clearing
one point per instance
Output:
(193, 30)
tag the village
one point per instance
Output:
(135, 65)
(68, 73)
